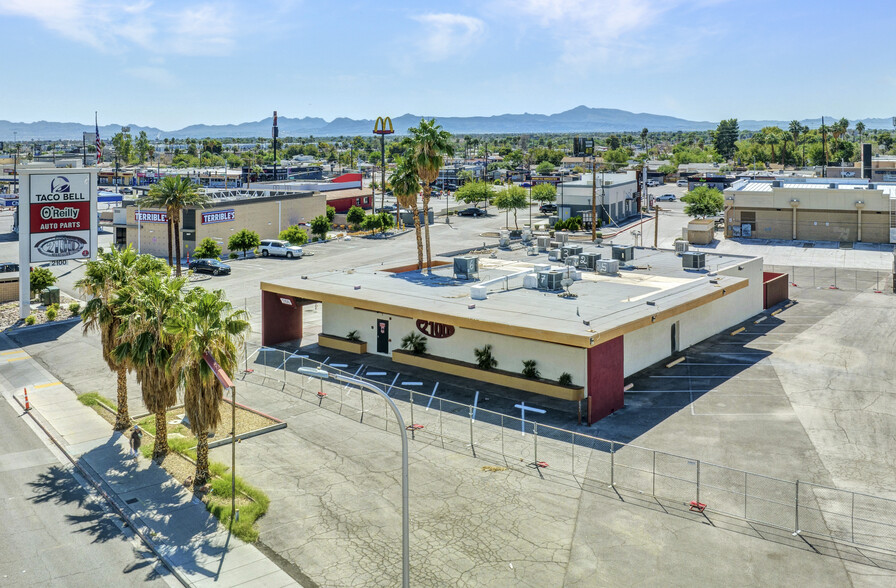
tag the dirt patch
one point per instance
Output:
(9, 313)
(246, 422)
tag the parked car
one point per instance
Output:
(281, 248)
(127, 191)
(548, 208)
(472, 211)
(387, 208)
(209, 266)
(666, 198)
(9, 266)
(682, 183)
(653, 183)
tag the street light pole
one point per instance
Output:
(405, 526)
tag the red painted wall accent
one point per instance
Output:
(775, 288)
(279, 322)
(606, 379)
(347, 178)
(341, 205)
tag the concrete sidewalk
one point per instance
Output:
(189, 539)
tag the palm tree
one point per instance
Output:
(206, 323)
(405, 185)
(430, 143)
(148, 302)
(860, 130)
(174, 193)
(102, 279)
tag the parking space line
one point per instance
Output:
(475, 403)
(375, 374)
(433, 395)
(412, 383)
(339, 365)
(723, 364)
(392, 384)
(714, 378)
(324, 362)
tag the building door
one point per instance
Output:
(675, 337)
(382, 336)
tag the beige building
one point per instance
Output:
(812, 209)
(266, 212)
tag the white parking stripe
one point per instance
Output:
(433, 395)
(392, 384)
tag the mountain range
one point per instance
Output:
(581, 119)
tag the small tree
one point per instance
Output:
(319, 226)
(41, 278)
(294, 234)
(243, 241)
(331, 213)
(355, 216)
(207, 249)
(545, 167)
(703, 201)
(474, 193)
(513, 198)
(544, 193)
(372, 223)
(415, 343)
(484, 358)
(387, 221)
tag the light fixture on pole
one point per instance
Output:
(383, 127)
(405, 526)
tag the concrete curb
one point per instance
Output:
(14, 330)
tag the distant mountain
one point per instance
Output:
(581, 119)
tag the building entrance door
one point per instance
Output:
(675, 337)
(382, 336)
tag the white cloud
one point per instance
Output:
(446, 35)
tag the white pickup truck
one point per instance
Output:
(281, 248)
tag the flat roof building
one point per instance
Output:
(587, 330)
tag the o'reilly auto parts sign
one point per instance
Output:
(61, 212)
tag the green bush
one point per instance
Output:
(207, 249)
(415, 343)
(232, 255)
(530, 369)
(294, 234)
(484, 358)
(51, 314)
(30, 319)
(354, 336)
(41, 278)
(74, 307)
(565, 379)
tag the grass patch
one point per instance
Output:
(182, 446)
(251, 503)
(92, 399)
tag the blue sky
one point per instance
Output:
(173, 63)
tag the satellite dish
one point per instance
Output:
(566, 283)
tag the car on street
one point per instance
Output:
(209, 266)
(472, 211)
(279, 248)
(666, 198)
(549, 208)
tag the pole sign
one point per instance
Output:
(59, 222)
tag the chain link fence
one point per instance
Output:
(860, 280)
(524, 444)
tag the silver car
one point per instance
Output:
(281, 248)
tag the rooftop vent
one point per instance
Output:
(693, 260)
(623, 252)
(466, 268)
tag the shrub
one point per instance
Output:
(331, 213)
(41, 278)
(354, 336)
(294, 234)
(30, 319)
(565, 379)
(232, 255)
(484, 358)
(51, 314)
(74, 307)
(355, 216)
(530, 370)
(207, 249)
(319, 226)
(414, 343)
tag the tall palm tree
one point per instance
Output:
(102, 279)
(147, 302)
(406, 185)
(206, 323)
(174, 193)
(430, 145)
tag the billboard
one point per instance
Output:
(61, 225)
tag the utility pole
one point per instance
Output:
(656, 224)
(594, 199)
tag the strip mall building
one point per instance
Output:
(618, 323)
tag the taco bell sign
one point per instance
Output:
(57, 220)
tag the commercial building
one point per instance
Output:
(616, 197)
(266, 212)
(812, 209)
(587, 329)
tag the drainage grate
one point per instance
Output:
(131, 501)
(846, 244)
(808, 245)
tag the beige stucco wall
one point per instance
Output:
(648, 345)
(553, 359)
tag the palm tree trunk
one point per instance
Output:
(202, 472)
(122, 418)
(426, 230)
(177, 246)
(416, 213)
(160, 449)
(169, 241)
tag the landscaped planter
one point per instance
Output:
(494, 376)
(341, 343)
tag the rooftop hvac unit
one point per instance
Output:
(503, 241)
(623, 252)
(609, 267)
(561, 237)
(466, 268)
(543, 243)
(588, 260)
(573, 249)
(550, 280)
(554, 254)
(693, 260)
(572, 260)
(681, 247)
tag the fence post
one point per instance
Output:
(362, 405)
(411, 394)
(612, 463)
(472, 448)
(813, 277)
(745, 495)
(246, 355)
(535, 441)
(284, 370)
(698, 481)
(504, 455)
(796, 510)
(572, 467)
(441, 435)
(852, 517)
(653, 489)
(835, 278)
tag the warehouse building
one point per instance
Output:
(266, 212)
(812, 209)
(589, 317)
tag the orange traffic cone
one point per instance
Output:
(27, 404)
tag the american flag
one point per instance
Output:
(99, 145)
